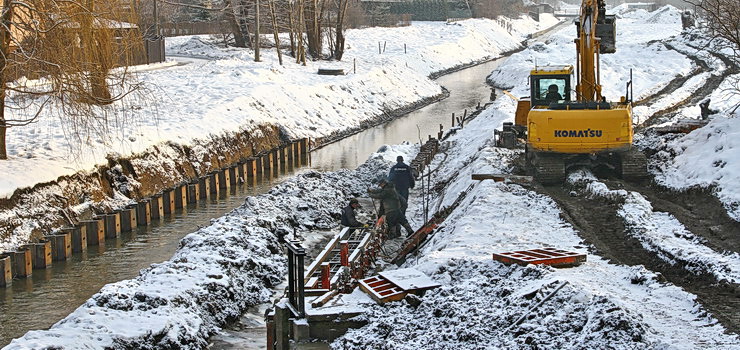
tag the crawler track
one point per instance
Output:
(599, 225)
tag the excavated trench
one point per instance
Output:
(598, 223)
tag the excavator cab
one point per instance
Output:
(550, 84)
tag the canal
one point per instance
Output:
(50, 295)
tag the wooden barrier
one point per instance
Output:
(325, 275)
(193, 192)
(233, 175)
(251, 167)
(204, 187)
(79, 238)
(296, 154)
(224, 179)
(112, 225)
(144, 212)
(93, 234)
(41, 254)
(6, 272)
(128, 218)
(22, 264)
(61, 246)
(344, 253)
(168, 200)
(258, 165)
(157, 207)
(181, 196)
(266, 163)
(214, 183)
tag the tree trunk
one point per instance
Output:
(339, 46)
(257, 31)
(313, 29)
(239, 24)
(275, 31)
(4, 51)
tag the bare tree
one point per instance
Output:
(65, 49)
(722, 19)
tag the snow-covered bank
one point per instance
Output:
(235, 93)
(217, 272)
(603, 305)
(662, 233)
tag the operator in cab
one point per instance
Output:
(552, 94)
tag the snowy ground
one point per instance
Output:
(231, 93)
(603, 305)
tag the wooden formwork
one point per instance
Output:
(547, 256)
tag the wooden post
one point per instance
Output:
(275, 153)
(144, 212)
(344, 252)
(325, 275)
(233, 175)
(42, 254)
(258, 163)
(128, 218)
(61, 246)
(214, 183)
(282, 326)
(168, 199)
(251, 168)
(204, 184)
(224, 179)
(266, 163)
(193, 192)
(79, 238)
(181, 196)
(6, 272)
(112, 225)
(241, 170)
(93, 233)
(304, 147)
(157, 207)
(453, 119)
(22, 265)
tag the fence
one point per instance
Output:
(194, 28)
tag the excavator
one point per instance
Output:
(566, 127)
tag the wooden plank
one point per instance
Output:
(503, 177)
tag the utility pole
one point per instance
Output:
(156, 20)
(257, 32)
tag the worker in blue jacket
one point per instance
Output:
(402, 176)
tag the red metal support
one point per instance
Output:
(325, 275)
(344, 253)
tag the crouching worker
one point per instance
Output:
(393, 204)
(348, 215)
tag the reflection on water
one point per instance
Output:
(467, 88)
(50, 295)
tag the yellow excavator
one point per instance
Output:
(568, 127)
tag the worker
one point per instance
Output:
(402, 177)
(348, 215)
(553, 94)
(392, 203)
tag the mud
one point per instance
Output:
(599, 225)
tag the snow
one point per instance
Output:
(222, 269)
(603, 305)
(229, 93)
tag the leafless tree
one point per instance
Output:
(722, 19)
(62, 52)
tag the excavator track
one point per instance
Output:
(549, 168)
(633, 165)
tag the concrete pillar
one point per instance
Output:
(22, 264)
(95, 236)
(79, 238)
(61, 246)
(6, 272)
(193, 192)
(41, 254)
(112, 225)
(168, 200)
(144, 212)
(128, 218)
(157, 207)
(181, 196)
